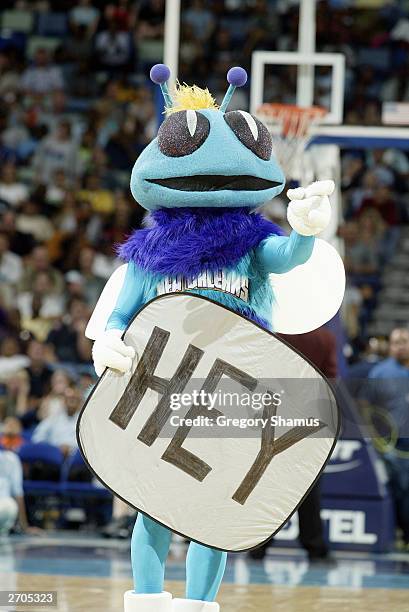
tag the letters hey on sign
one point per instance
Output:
(222, 484)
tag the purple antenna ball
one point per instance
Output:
(159, 73)
(237, 76)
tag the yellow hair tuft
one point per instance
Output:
(190, 97)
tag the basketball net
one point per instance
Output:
(290, 127)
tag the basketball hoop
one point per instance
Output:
(290, 127)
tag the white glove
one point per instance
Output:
(309, 210)
(109, 351)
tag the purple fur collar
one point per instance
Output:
(190, 240)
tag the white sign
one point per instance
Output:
(219, 429)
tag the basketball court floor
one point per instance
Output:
(91, 574)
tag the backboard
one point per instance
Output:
(335, 61)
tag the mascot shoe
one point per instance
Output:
(153, 602)
(194, 605)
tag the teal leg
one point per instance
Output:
(204, 572)
(149, 549)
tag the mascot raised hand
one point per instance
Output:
(197, 295)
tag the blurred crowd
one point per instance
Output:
(76, 110)
(375, 187)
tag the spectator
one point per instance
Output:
(200, 19)
(319, 347)
(21, 243)
(151, 19)
(123, 12)
(41, 78)
(38, 263)
(17, 396)
(123, 520)
(377, 163)
(374, 351)
(384, 202)
(262, 28)
(113, 48)
(397, 86)
(68, 335)
(9, 76)
(49, 116)
(60, 429)
(78, 51)
(365, 186)
(352, 171)
(396, 366)
(66, 219)
(86, 16)
(11, 268)
(128, 214)
(57, 189)
(40, 306)
(124, 147)
(12, 506)
(372, 114)
(86, 150)
(224, 52)
(54, 401)
(86, 384)
(75, 285)
(101, 200)
(361, 259)
(93, 283)
(12, 360)
(397, 161)
(388, 391)
(39, 379)
(363, 242)
(375, 232)
(57, 152)
(12, 191)
(31, 220)
(11, 438)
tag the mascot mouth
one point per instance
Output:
(215, 182)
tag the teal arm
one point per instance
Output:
(130, 299)
(279, 254)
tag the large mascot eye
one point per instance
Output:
(182, 133)
(251, 132)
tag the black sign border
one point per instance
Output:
(206, 299)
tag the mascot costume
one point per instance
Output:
(203, 288)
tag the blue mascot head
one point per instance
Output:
(204, 156)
